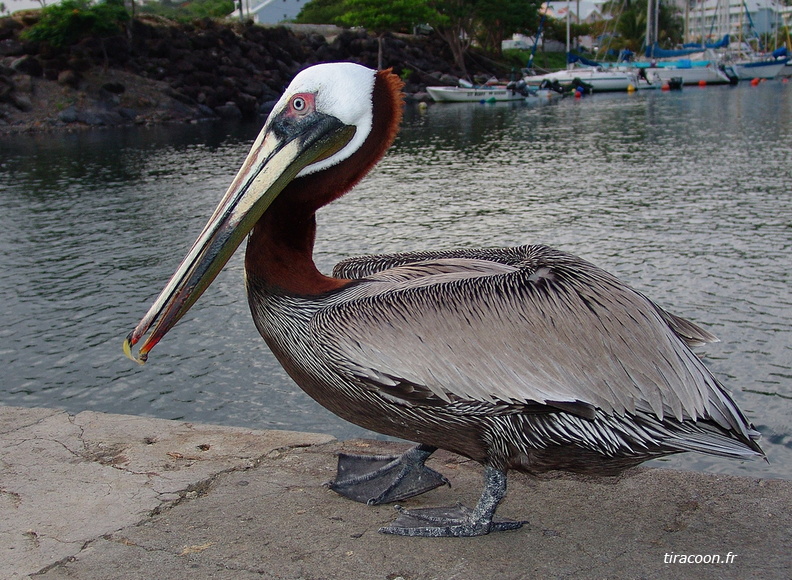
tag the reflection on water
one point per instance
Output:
(684, 195)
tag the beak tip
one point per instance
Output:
(141, 359)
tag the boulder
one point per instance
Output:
(9, 28)
(228, 111)
(6, 89)
(127, 113)
(78, 63)
(22, 102)
(11, 47)
(100, 118)
(68, 78)
(23, 83)
(28, 64)
(266, 107)
(114, 87)
(206, 112)
(68, 115)
(247, 104)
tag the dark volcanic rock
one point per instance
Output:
(6, 88)
(127, 113)
(68, 115)
(69, 78)
(9, 27)
(11, 47)
(29, 65)
(203, 69)
(22, 102)
(114, 87)
(228, 111)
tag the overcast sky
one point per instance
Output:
(14, 5)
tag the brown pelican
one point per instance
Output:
(521, 358)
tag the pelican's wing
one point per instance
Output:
(555, 330)
(365, 266)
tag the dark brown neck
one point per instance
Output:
(280, 253)
(280, 248)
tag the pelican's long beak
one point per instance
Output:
(280, 152)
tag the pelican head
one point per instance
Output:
(323, 120)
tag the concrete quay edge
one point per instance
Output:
(102, 496)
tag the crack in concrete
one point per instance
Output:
(88, 451)
(62, 561)
(81, 436)
(191, 492)
(15, 428)
(66, 447)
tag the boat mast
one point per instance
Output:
(657, 21)
(651, 25)
(569, 7)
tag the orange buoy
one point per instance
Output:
(754, 82)
(665, 87)
(702, 83)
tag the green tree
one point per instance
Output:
(65, 23)
(321, 12)
(498, 20)
(455, 24)
(400, 15)
(189, 11)
(631, 26)
(451, 19)
(458, 22)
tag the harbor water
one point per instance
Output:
(687, 196)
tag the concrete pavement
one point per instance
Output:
(98, 496)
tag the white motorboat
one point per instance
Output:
(692, 72)
(474, 94)
(579, 70)
(598, 78)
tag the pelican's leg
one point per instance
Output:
(459, 520)
(376, 479)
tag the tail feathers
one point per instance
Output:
(705, 438)
(692, 334)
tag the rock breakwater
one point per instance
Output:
(162, 71)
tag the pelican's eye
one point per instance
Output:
(301, 104)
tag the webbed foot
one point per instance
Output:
(446, 522)
(378, 479)
(458, 521)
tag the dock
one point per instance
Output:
(101, 496)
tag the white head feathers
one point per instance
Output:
(343, 90)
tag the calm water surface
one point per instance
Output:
(684, 195)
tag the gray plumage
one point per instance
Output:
(525, 358)
(521, 358)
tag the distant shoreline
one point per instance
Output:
(165, 72)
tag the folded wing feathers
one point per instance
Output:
(519, 325)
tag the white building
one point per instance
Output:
(522, 42)
(271, 11)
(580, 11)
(712, 19)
